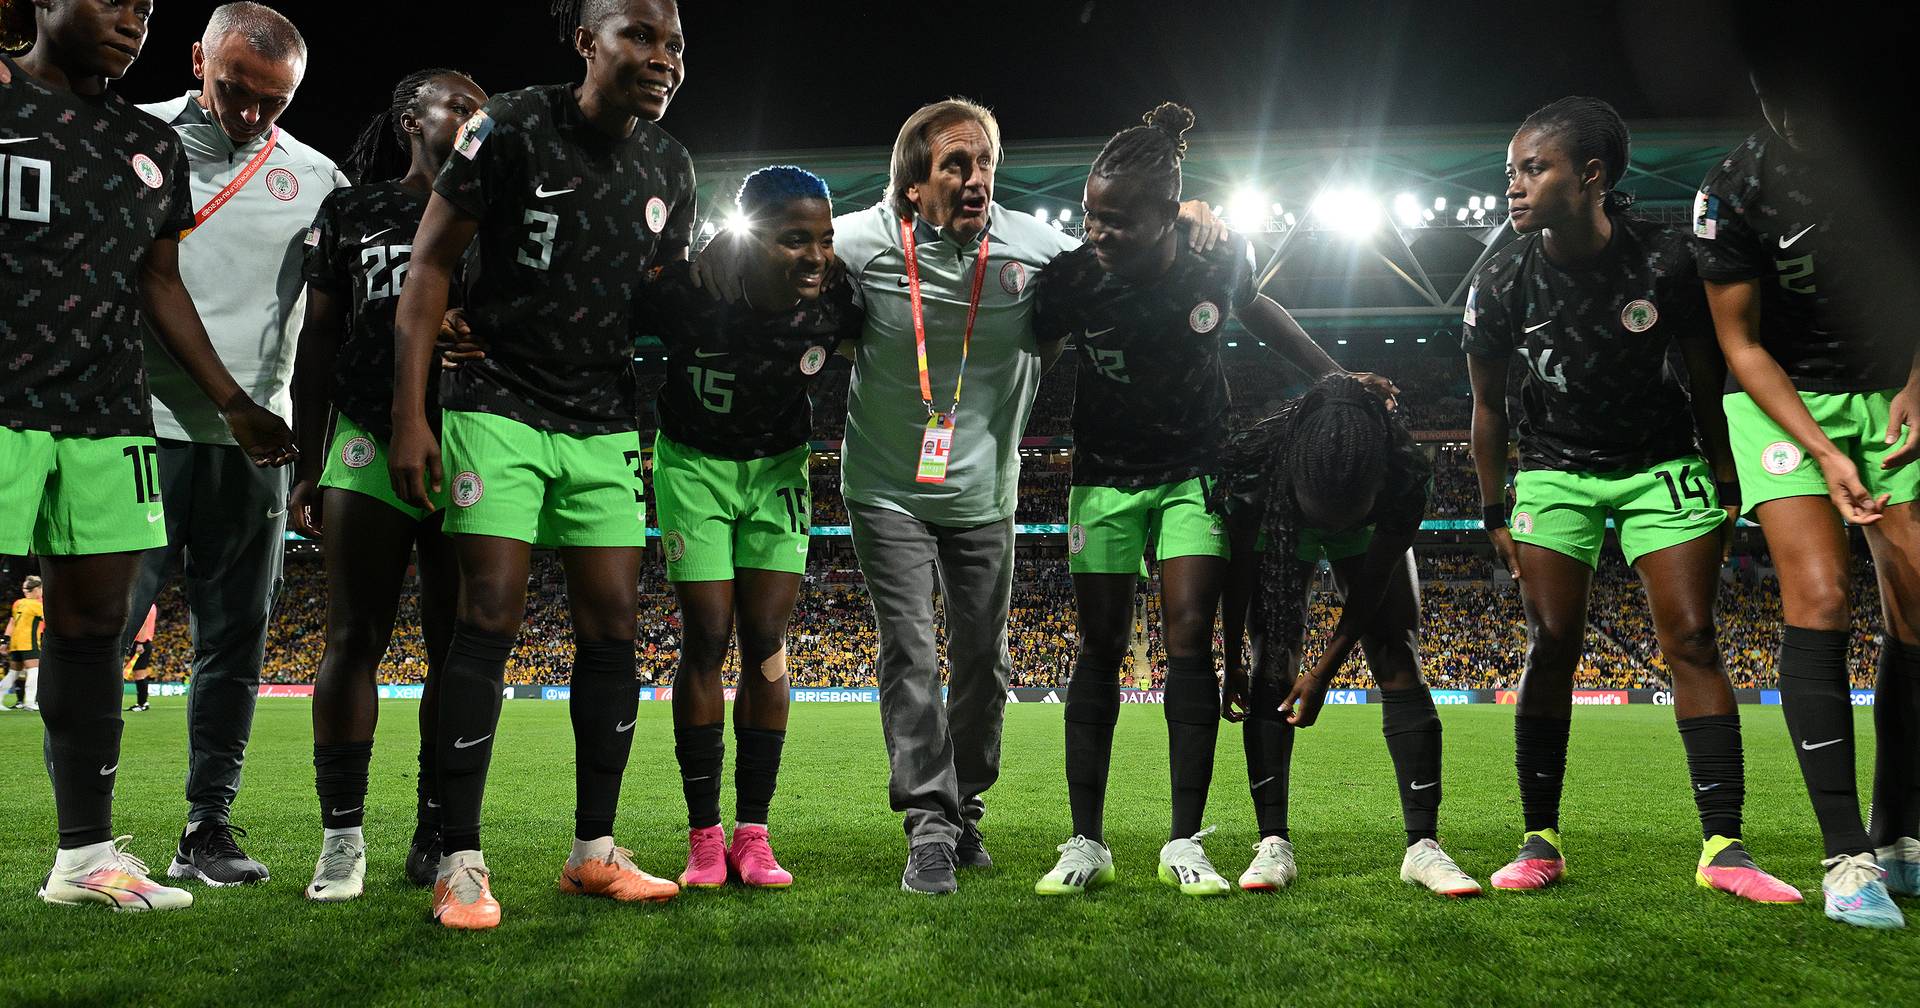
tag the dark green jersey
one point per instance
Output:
(1150, 399)
(1764, 214)
(571, 221)
(1599, 393)
(87, 183)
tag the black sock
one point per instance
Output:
(700, 751)
(604, 705)
(1717, 767)
(426, 804)
(140, 692)
(79, 699)
(1896, 744)
(756, 769)
(469, 714)
(1412, 728)
(1269, 743)
(1193, 729)
(1093, 705)
(1540, 758)
(340, 777)
(1819, 710)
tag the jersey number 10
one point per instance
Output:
(29, 188)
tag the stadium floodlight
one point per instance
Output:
(1040, 214)
(1480, 215)
(1407, 207)
(1247, 210)
(1490, 204)
(1440, 204)
(1426, 215)
(737, 223)
(1422, 339)
(1461, 215)
(706, 228)
(1341, 342)
(1232, 343)
(1279, 211)
(1066, 215)
(1289, 219)
(1389, 339)
(1349, 211)
(1473, 202)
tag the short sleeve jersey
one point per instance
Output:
(1150, 397)
(1599, 394)
(86, 185)
(571, 221)
(1762, 215)
(358, 252)
(737, 379)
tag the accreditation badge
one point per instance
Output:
(936, 446)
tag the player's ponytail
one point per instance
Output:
(1591, 130)
(382, 151)
(1152, 150)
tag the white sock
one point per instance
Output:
(452, 860)
(33, 686)
(329, 835)
(748, 825)
(76, 860)
(587, 850)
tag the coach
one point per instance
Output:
(255, 191)
(943, 381)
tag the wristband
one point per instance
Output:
(1494, 516)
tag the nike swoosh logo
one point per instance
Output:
(1707, 787)
(107, 771)
(1262, 784)
(690, 780)
(1785, 241)
(461, 743)
(1542, 325)
(626, 727)
(276, 514)
(350, 811)
(320, 888)
(155, 517)
(1422, 787)
(541, 192)
(1096, 335)
(432, 804)
(1537, 773)
(704, 355)
(1809, 746)
(364, 239)
(15, 140)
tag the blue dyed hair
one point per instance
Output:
(775, 186)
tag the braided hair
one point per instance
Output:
(382, 151)
(16, 26)
(1591, 130)
(775, 186)
(571, 14)
(1153, 149)
(1339, 439)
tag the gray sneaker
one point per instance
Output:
(929, 870)
(971, 851)
(207, 852)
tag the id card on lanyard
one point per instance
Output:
(226, 192)
(936, 441)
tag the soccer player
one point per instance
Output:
(1823, 408)
(356, 268)
(730, 477)
(1333, 476)
(96, 197)
(1149, 419)
(25, 626)
(1590, 300)
(574, 194)
(140, 660)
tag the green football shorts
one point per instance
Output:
(1773, 465)
(719, 515)
(1333, 546)
(1669, 504)
(507, 479)
(1109, 526)
(63, 495)
(358, 462)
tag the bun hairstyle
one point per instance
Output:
(1150, 151)
(1590, 130)
(382, 150)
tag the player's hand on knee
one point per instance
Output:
(303, 508)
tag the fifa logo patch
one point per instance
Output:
(282, 184)
(149, 172)
(1639, 315)
(1204, 318)
(1013, 278)
(357, 453)
(1522, 522)
(1780, 457)
(472, 134)
(1706, 216)
(656, 215)
(675, 545)
(1076, 538)
(468, 488)
(813, 360)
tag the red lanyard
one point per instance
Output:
(919, 318)
(226, 193)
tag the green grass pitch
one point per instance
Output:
(1627, 927)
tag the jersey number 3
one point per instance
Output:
(542, 227)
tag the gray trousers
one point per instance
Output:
(227, 522)
(941, 755)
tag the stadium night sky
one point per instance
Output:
(781, 76)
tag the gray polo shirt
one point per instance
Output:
(885, 414)
(242, 268)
